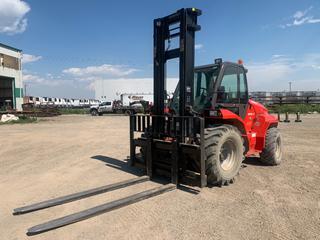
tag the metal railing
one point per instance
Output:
(280, 100)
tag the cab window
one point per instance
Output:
(202, 89)
(228, 89)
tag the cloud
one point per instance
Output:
(302, 18)
(105, 70)
(48, 80)
(301, 14)
(198, 46)
(52, 85)
(111, 87)
(316, 67)
(268, 75)
(27, 58)
(74, 78)
(12, 16)
(272, 74)
(31, 78)
(275, 73)
(277, 56)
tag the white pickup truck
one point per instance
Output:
(100, 109)
(116, 107)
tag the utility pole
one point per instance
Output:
(290, 83)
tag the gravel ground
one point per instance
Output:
(67, 154)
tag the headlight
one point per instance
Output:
(213, 113)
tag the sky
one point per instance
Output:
(67, 45)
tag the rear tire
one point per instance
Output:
(272, 152)
(128, 112)
(224, 152)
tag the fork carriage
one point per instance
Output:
(175, 148)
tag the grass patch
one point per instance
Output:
(294, 108)
(21, 120)
(74, 111)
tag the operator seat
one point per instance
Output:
(222, 95)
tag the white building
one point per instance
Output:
(109, 90)
(11, 87)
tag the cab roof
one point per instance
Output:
(197, 68)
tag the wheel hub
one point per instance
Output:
(227, 155)
(278, 148)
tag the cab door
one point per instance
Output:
(232, 92)
(105, 107)
(108, 107)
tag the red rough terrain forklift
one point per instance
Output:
(200, 136)
(212, 124)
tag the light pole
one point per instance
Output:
(290, 83)
(25, 89)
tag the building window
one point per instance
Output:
(10, 62)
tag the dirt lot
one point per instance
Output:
(67, 154)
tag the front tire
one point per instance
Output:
(224, 152)
(272, 152)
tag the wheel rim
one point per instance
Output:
(227, 155)
(278, 148)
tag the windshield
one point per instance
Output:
(203, 83)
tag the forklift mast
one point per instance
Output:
(182, 24)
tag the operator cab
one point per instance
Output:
(219, 85)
